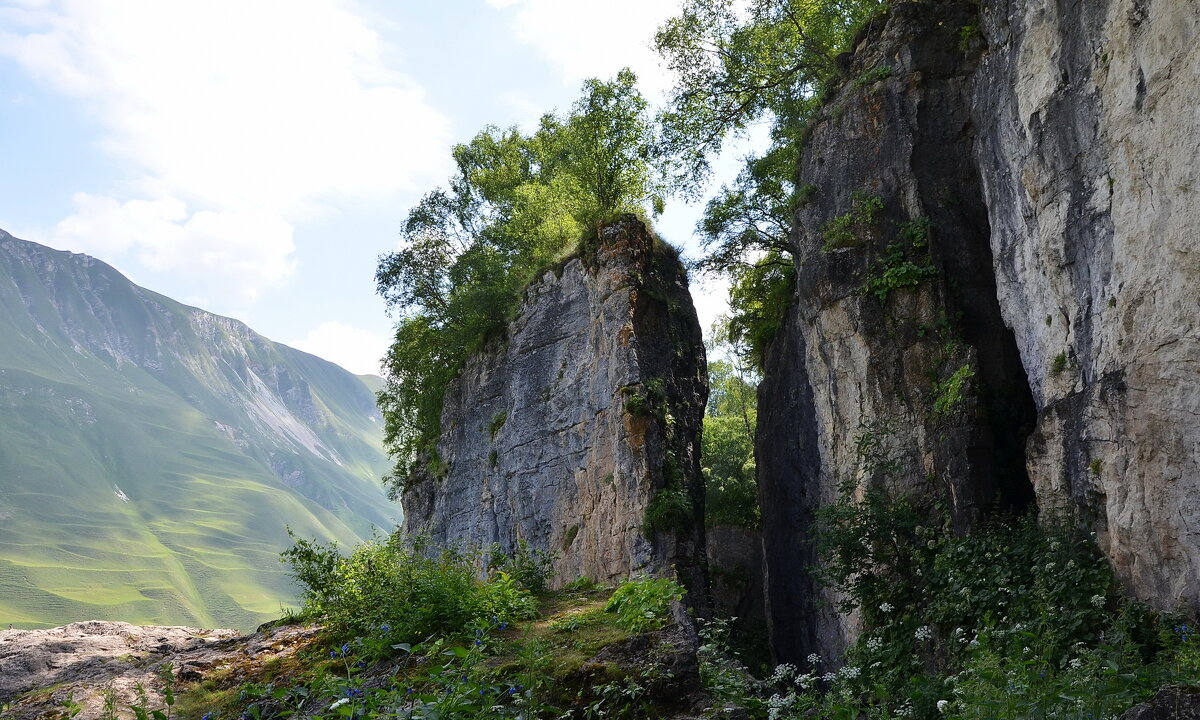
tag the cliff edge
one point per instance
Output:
(578, 431)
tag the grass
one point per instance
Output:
(565, 650)
(197, 542)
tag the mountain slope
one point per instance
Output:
(152, 454)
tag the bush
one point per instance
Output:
(532, 569)
(1015, 616)
(388, 583)
(644, 604)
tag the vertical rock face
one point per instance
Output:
(998, 289)
(1090, 150)
(583, 420)
(895, 366)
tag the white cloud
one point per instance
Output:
(257, 115)
(586, 39)
(243, 250)
(355, 349)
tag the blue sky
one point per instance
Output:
(254, 157)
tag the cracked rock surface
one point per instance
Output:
(41, 669)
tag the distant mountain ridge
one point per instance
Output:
(152, 453)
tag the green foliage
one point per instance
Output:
(1058, 364)
(759, 298)
(516, 204)
(916, 232)
(1015, 620)
(966, 36)
(531, 569)
(727, 447)
(948, 394)
(883, 72)
(894, 271)
(644, 604)
(1014, 616)
(733, 68)
(847, 230)
(141, 709)
(496, 423)
(670, 509)
(648, 399)
(387, 583)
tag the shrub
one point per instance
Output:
(531, 569)
(386, 582)
(644, 604)
(846, 230)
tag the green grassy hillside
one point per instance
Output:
(152, 454)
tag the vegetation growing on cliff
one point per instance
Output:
(773, 61)
(1015, 620)
(516, 204)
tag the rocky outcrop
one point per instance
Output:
(578, 433)
(1172, 703)
(895, 366)
(997, 289)
(1089, 151)
(41, 669)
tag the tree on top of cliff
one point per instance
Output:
(515, 204)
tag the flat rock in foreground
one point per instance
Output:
(41, 669)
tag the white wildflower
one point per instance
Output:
(814, 659)
(874, 644)
(923, 633)
(942, 705)
(829, 677)
(849, 672)
(1076, 663)
(886, 607)
(777, 704)
(804, 682)
(1097, 601)
(783, 673)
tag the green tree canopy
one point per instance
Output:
(735, 68)
(515, 204)
(727, 444)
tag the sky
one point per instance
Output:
(255, 157)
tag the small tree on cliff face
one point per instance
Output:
(734, 67)
(515, 203)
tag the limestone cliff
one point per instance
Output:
(995, 291)
(583, 419)
(1089, 151)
